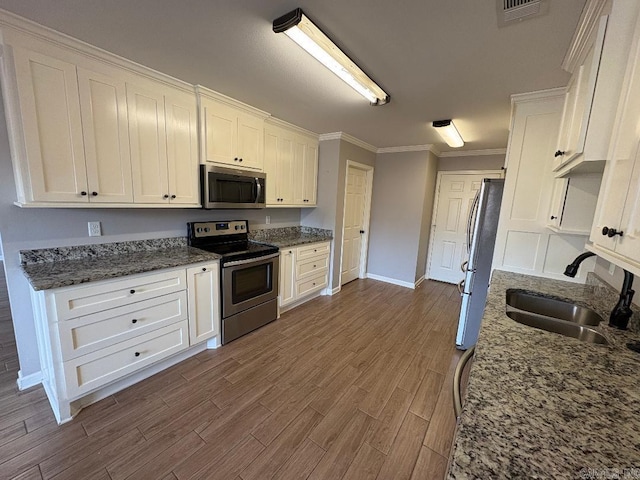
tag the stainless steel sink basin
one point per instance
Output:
(551, 307)
(568, 329)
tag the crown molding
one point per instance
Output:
(428, 147)
(538, 95)
(290, 126)
(14, 26)
(348, 138)
(587, 25)
(475, 153)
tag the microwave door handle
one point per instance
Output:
(258, 190)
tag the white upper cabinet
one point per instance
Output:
(596, 60)
(103, 103)
(232, 133)
(291, 165)
(47, 133)
(87, 129)
(163, 133)
(579, 99)
(616, 227)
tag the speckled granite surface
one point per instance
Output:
(92, 267)
(291, 236)
(82, 252)
(541, 405)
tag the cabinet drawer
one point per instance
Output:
(83, 335)
(99, 296)
(313, 250)
(96, 369)
(312, 285)
(311, 267)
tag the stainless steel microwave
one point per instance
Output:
(231, 188)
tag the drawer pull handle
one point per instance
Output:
(315, 250)
(135, 320)
(137, 354)
(204, 269)
(314, 266)
(314, 284)
(132, 291)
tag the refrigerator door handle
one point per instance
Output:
(461, 287)
(463, 267)
(474, 205)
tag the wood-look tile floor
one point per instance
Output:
(354, 386)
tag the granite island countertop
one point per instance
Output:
(541, 405)
(54, 268)
(291, 236)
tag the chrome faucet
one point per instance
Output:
(621, 313)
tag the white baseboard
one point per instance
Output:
(394, 281)
(329, 291)
(28, 381)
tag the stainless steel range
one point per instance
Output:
(249, 275)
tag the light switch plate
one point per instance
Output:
(95, 229)
(267, 219)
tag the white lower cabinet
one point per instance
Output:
(203, 285)
(97, 338)
(303, 271)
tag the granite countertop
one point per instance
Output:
(541, 405)
(90, 264)
(291, 236)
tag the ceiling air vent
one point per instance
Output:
(512, 11)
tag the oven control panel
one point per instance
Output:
(214, 229)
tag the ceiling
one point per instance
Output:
(437, 59)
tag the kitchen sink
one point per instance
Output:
(562, 327)
(552, 307)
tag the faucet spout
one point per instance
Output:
(572, 268)
(621, 313)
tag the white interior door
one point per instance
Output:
(449, 231)
(354, 223)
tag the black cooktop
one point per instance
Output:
(228, 239)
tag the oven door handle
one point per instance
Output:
(250, 260)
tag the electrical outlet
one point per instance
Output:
(95, 230)
(612, 268)
(267, 219)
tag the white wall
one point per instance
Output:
(403, 186)
(471, 162)
(22, 229)
(332, 173)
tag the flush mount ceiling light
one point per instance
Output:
(297, 26)
(449, 133)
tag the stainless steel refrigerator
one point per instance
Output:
(482, 228)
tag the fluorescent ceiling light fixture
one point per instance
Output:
(297, 26)
(449, 133)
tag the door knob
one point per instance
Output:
(361, 231)
(559, 153)
(553, 217)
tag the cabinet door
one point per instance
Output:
(286, 162)
(299, 153)
(287, 276)
(250, 141)
(579, 100)
(148, 144)
(629, 243)
(182, 147)
(52, 126)
(557, 202)
(220, 133)
(203, 285)
(271, 166)
(311, 174)
(103, 103)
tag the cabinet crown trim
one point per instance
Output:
(538, 95)
(232, 102)
(587, 26)
(15, 24)
(276, 122)
(348, 138)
